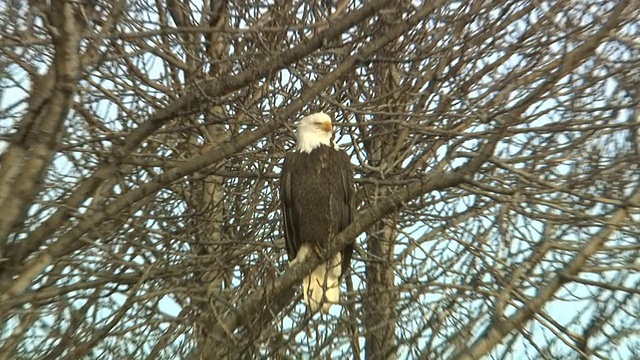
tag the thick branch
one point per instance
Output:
(33, 145)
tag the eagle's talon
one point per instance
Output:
(318, 252)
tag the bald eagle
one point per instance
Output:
(317, 198)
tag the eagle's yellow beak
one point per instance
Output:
(327, 127)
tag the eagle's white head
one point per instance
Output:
(314, 130)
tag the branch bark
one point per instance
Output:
(32, 147)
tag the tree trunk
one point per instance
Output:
(381, 299)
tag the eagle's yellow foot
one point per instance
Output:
(317, 251)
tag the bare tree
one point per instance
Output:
(496, 147)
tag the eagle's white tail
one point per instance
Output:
(325, 276)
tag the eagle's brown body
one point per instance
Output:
(317, 198)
